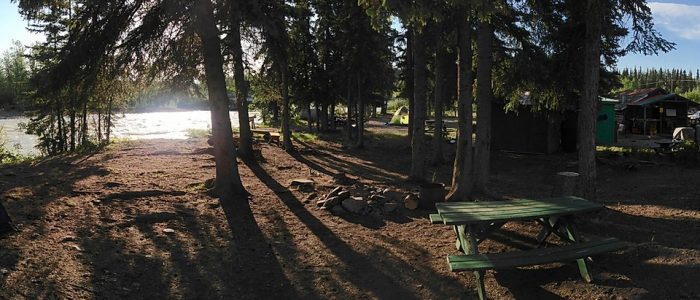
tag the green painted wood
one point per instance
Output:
(512, 201)
(506, 211)
(514, 207)
(474, 250)
(462, 236)
(572, 233)
(436, 219)
(476, 262)
(512, 204)
(524, 214)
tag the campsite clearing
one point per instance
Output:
(135, 220)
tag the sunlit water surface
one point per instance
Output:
(152, 125)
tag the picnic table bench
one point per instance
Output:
(267, 134)
(430, 129)
(473, 222)
(666, 146)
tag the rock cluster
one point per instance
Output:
(360, 200)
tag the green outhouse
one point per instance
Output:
(607, 126)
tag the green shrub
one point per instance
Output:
(395, 104)
(304, 136)
(197, 133)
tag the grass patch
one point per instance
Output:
(12, 158)
(194, 133)
(305, 136)
(393, 135)
(619, 150)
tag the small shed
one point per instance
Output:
(654, 111)
(607, 125)
(525, 131)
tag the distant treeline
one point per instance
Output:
(684, 82)
(14, 77)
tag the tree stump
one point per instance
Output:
(565, 184)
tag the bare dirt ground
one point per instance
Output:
(133, 222)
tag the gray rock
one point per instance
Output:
(390, 207)
(392, 196)
(338, 210)
(375, 213)
(354, 204)
(303, 185)
(410, 202)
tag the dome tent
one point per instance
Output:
(400, 116)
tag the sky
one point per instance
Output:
(677, 20)
(13, 27)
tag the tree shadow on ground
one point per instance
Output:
(118, 249)
(382, 282)
(643, 268)
(28, 189)
(675, 233)
(328, 161)
(250, 270)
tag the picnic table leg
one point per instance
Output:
(572, 232)
(471, 248)
(459, 231)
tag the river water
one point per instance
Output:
(151, 125)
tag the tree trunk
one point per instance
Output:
(72, 121)
(61, 126)
(228, 181)
(348, 123)
(84, 124)
(319, 117)
(323, 118)
(309, 122)
(360, 115)
(332, 116)
(409, 80)
(275, 113)
(109, 120)
(245, 146)
(418, 125)
(462, 172)
(99, 126)
(588, 105)
(286, 114)
(484, 99)
(439, 94)
(52, 145)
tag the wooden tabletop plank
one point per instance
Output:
(461, 218)
(515, 202)
(525, 210)
(514, 207)
(455, 213)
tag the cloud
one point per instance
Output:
(679, 19)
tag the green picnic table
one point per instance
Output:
(473, 222)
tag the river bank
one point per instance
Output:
(173, 124)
